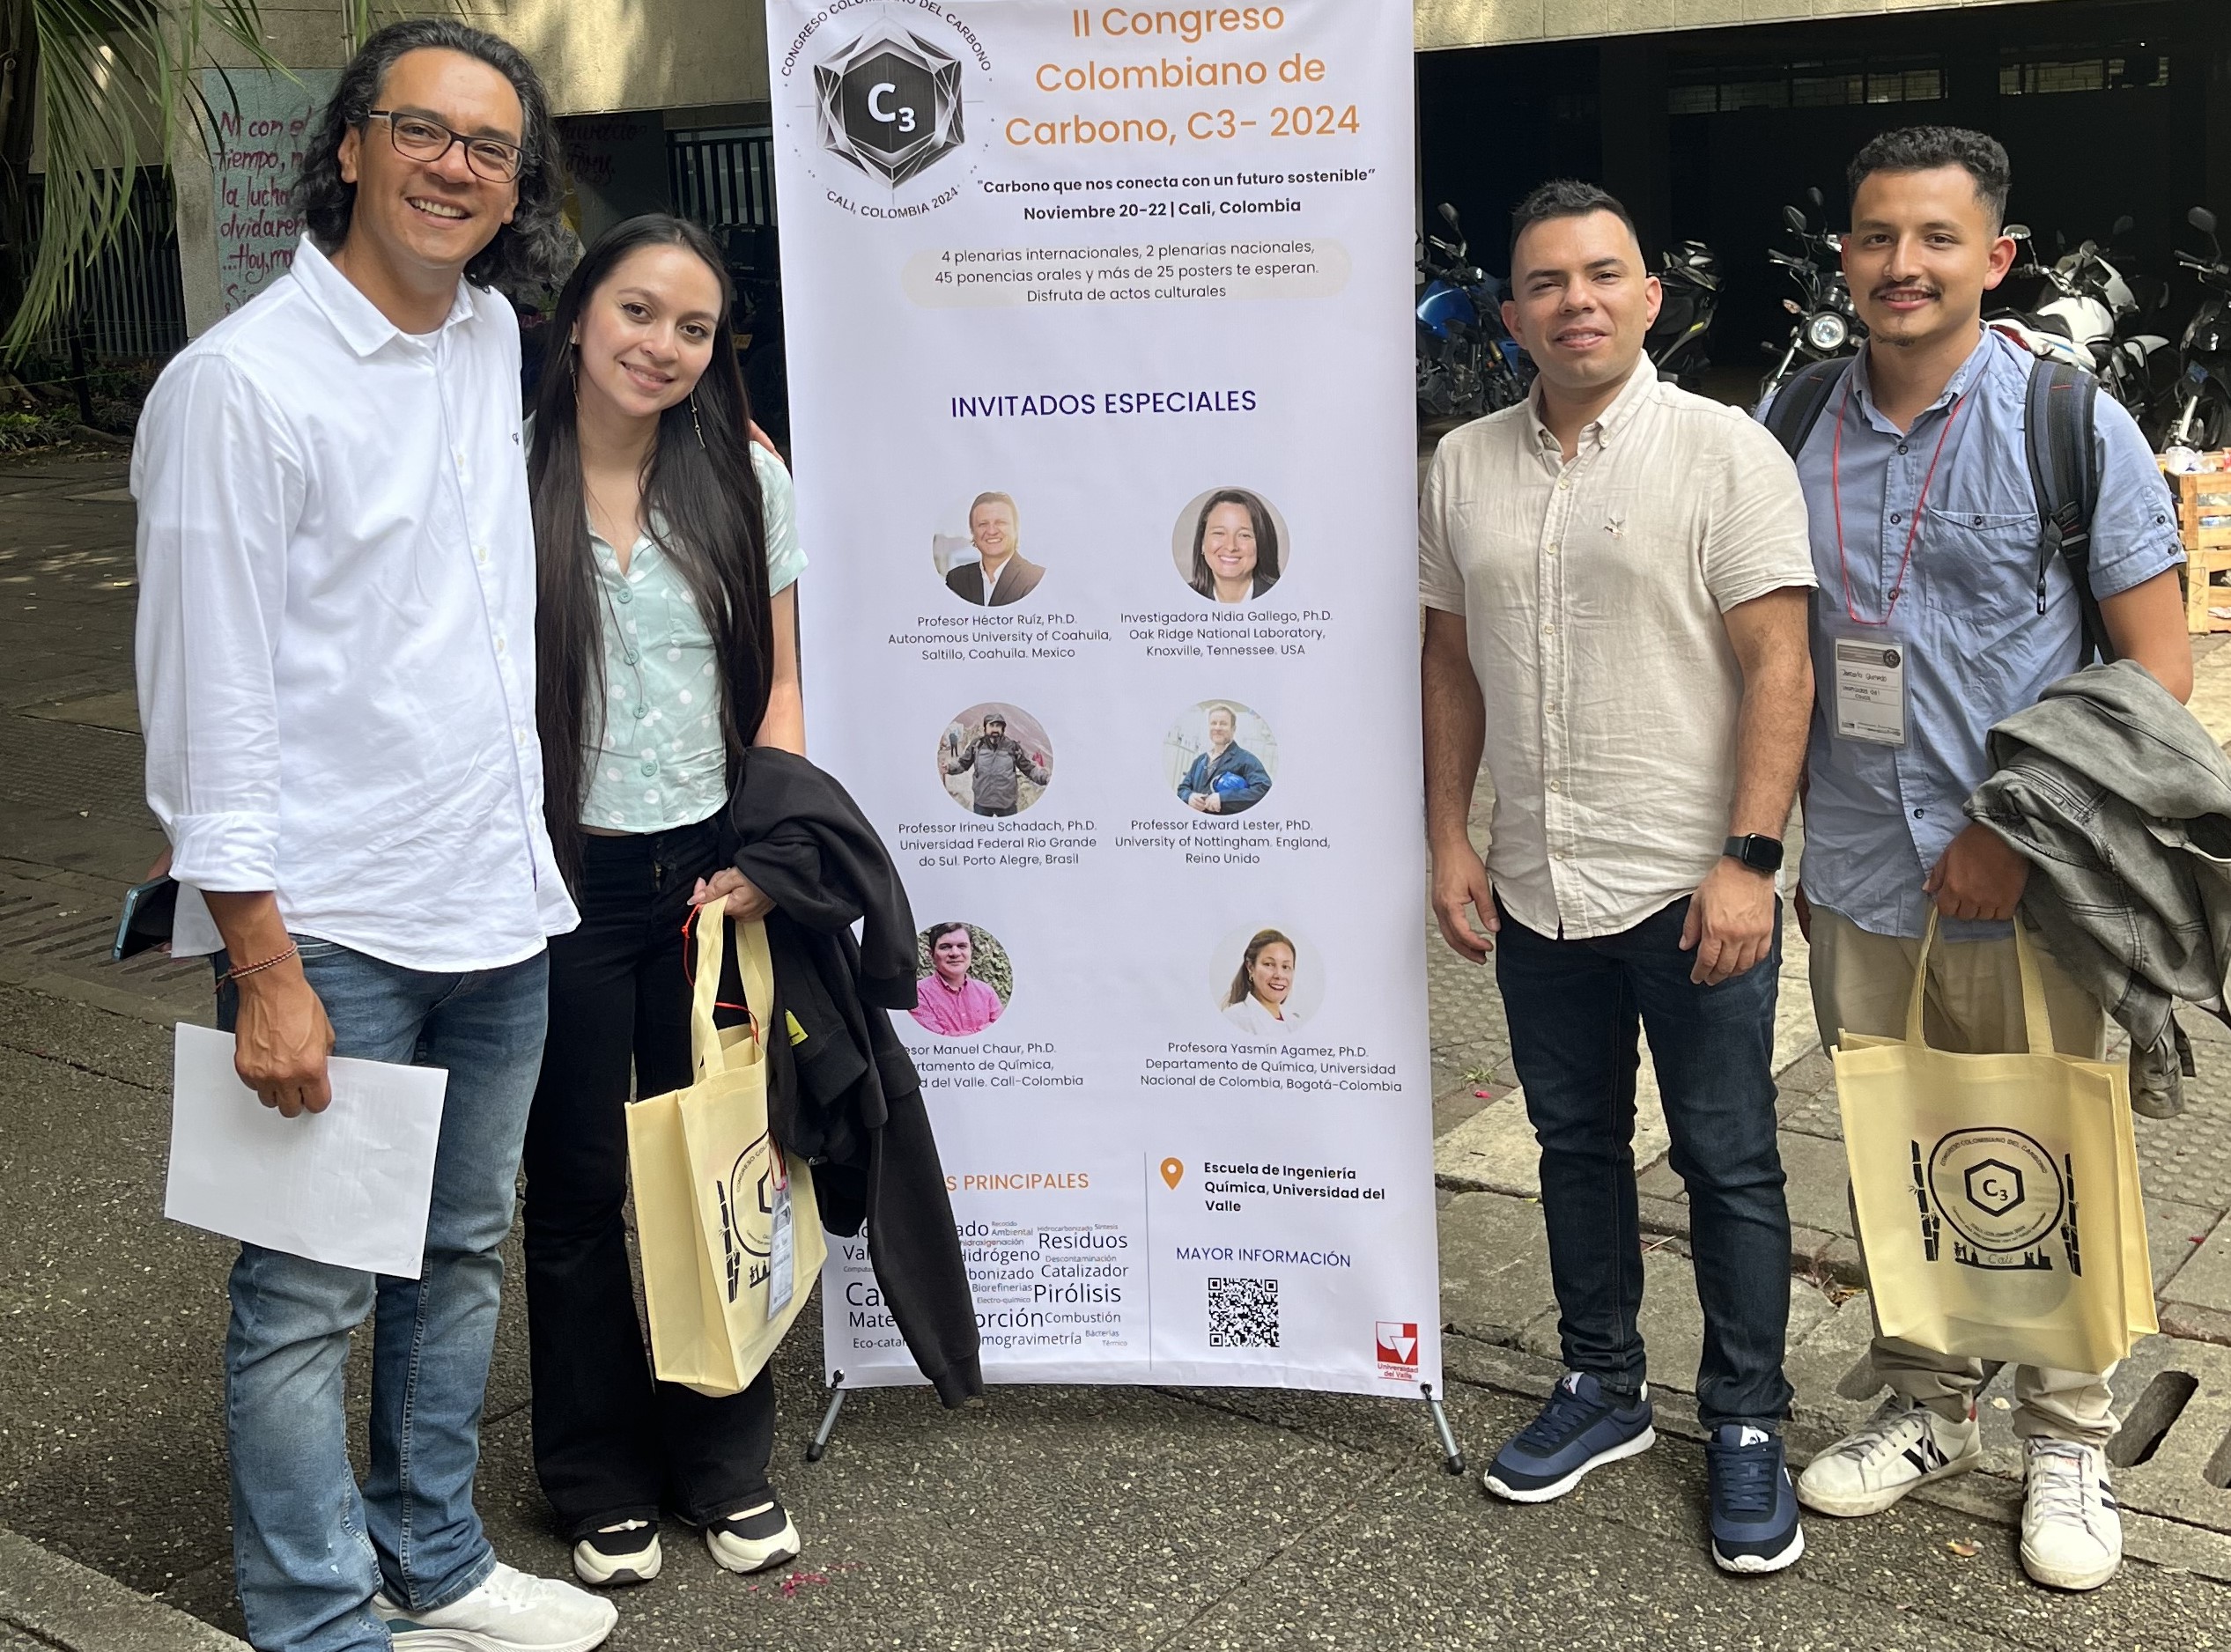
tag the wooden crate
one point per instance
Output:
(2208, 591)
(2204, 523)
(2202, 509)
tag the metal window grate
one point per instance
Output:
(1723, 88)
(130, 302)
(723, 178)
(2036, 72)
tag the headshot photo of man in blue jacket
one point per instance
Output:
(1225, 779)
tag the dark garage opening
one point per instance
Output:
(1706, 135)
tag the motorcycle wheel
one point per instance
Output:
(2212, 425)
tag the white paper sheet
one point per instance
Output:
(351, 1185)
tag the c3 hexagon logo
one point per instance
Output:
(1994, 1186)
(891, 104)
(1999, 1190)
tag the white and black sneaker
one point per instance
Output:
(1904, 1446)
(2071, 1530)
(613, 1556)
(753, 1539)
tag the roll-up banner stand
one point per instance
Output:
(1100, 368)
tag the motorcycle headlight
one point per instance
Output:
(1826, 332)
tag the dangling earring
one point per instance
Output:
(694, 423)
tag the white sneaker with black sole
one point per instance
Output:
(509, 1612)
(1903, 1447)
(2072, 1528)
(753, 1539)
(612, 1557)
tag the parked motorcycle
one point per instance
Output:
(1827, 326)
(1467, 365)
(2090, 317)
(2204, 387)
(2070, 322)
(1680, 340)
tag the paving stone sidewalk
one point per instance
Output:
(1049, 1518)
(1483, 1143)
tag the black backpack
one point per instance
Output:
(2063, 468)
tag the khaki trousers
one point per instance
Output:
(1860, 983)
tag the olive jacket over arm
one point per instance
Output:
(2120, 802)
(843, 1091)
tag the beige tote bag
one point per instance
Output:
(1998, 1195)
(715, 1195)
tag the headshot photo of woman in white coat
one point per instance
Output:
(1258, 1003)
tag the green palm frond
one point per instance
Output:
(107, 74)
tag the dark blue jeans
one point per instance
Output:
(1574, 1008)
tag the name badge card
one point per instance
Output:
(782, 1259)
(1870, 691)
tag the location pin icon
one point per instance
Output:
(1172, 1172)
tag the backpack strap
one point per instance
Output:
(2063, 473)
(1797, 405)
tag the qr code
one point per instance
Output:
(1243, 1313)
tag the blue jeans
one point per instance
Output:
(1574, 1007)
(308, 1547)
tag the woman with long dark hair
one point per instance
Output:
(1235, 547)
(1257, 1002)
(661, 530)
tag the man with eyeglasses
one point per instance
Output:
(337, 679)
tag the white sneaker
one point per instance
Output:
(611, 1556)
(1904, 1446)
(2071, 1530)
(509, 1612)
(753, 1539)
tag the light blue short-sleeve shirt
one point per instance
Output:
(1985, 622)
(658, 761)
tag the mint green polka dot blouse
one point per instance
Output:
(658, 761)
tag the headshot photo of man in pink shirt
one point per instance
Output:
(951, 1001)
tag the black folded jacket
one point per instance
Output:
(842, 1090)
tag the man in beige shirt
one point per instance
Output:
(1615, 577)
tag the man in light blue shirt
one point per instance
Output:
(1941, 611)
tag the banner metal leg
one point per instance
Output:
(819, 1443)
(1452, 1454)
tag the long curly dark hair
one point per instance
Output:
(701, 499)
(529, 253)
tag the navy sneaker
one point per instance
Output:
(1581, 1428)
(1754, 1524)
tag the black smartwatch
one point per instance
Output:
(1760, 854)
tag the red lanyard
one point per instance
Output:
(1913, 529)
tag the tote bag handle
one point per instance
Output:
(2036, 1019)
(757, 966)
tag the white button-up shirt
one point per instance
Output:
(336, 627)
(1593, 593)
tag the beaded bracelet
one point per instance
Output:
(251, 969)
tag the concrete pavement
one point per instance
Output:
(1048, 1517)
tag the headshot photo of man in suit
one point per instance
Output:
(1000, 574)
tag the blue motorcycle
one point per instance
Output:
(1468, 366)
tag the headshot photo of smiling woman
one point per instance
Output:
(1234, 543)
(1258, 1003)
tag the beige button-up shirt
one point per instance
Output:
(1591, 592)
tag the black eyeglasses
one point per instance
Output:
(422, 139)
